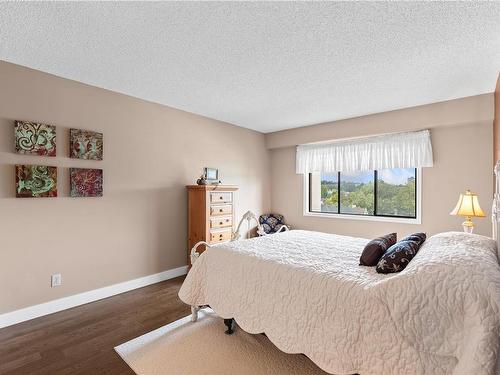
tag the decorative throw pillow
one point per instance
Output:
(374, 249)
(271, 223)
(398, 256)
(417, 237)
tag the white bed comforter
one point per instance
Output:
(306, 291)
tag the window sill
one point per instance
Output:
(364, 218)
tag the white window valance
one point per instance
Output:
(401, 150)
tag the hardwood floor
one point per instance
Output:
(81, 340)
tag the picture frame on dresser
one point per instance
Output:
(211, 174)
(211, 211)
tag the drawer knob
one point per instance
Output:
(220, 222)
(220, 235)
(220, 197)
(220, 210)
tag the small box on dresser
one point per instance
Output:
(210, 214)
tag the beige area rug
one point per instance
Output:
(184, 348)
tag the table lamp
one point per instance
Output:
(468, 206)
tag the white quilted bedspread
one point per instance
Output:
(306, 291)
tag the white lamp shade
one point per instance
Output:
(468, 205)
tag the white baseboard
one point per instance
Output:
(51, 307)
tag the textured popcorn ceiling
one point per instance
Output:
(265, 66)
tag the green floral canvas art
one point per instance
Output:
(36, 181)
(33, 138)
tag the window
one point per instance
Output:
(388, 193)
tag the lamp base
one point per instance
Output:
(468, 225)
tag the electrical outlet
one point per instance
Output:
(55, 280)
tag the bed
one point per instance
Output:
(308, 294)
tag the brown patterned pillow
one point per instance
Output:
(374, 249)
(398, 256)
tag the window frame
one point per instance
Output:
(381, 218)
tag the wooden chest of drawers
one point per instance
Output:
(210, 214)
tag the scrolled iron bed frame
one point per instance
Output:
(495, 210)
(249, 216)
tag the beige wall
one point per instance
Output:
(462, 159)
(151, 151)
(470, 110)
(139, 227)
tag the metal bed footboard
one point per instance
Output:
(249, 216)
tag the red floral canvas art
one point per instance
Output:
(85, 182)
(85, 144)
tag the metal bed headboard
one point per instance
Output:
(495, 210)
